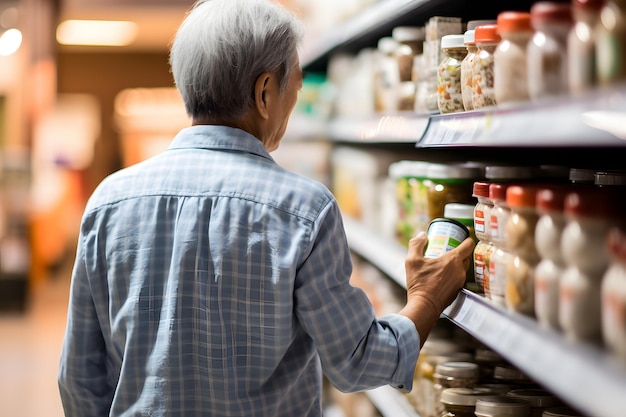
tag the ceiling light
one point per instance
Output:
(96, 32)
(10, 42)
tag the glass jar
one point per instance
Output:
(510, 375)
(410, 41)
(550, 202)
(547, 49)
(495, 283)
(450, 183)
(510, 59)
(581, 45)
(453, 375)
(487, 361)
(614, 294)
(386, 79)
(539, 399)
(611, 44)
(502, 406)
(459, 402)
(590, 213)
(449, 97)
(467, 68)
(486, 38)
(411, 198)
(520, 238)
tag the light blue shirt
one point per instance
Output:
(209, 281)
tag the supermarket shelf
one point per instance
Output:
(588, 377)
(597, 119)
(390, 402)
(401, 127)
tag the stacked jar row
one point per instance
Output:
(555, 49)
(459, 377)
(556, 251)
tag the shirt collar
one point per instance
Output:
(218, 137)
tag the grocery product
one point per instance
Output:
(467, 68)
(611, 43)
(449, 96)
(520, 241)
(547, 49)
(550, 225)
(453, 375)
(560, 412)
(460, 402)
(487, 39)
(410, 41)
(502, 406)
(450, 183)
(386, 76)
(510, 62)
(581, 45)
(539, 399)
(444, 235)
(613, 292)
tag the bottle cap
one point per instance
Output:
(486, 33)
(452, 41)
(514, 21)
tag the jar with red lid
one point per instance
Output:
(548, 231)
(590, 214)
(487, 39)
(520, 237)
(510, 58)
(614, 294)
(484, 247)
(495, 283)
(581, 48)
(547, 49)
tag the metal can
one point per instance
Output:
(444, 235)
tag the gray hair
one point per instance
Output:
(223, 46)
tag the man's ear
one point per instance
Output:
(261, 94)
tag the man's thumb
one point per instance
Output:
(418, 243)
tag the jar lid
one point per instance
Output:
(588, 4)
(536, 397)
(468, 37)
(464, 397)
(551, 199)
(522, 196)
(610, 178)
(480, 189)
(595, 202)
(502, 406)
(473, 23)
(560, 412)
(457, 370)
(459, 211)
(514, 21)
(551, 12)
(402, 169)
(510, 172)
(408, 33)
(452, 41)
(582, 175)
(497, 191)
(387, 44)
(486, 33)
(453, 171)
(616, 243)
(494, 389)
(509, 373)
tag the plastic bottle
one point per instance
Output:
(386, 76)
(611, 43)
(486, 38)
(590, 214)
(495, 283)
(484, 246)
(581, 45)
(410, 41)
(520, 238)
(547, 49)
(449, 96)
(467, 66)
(550, 204)
(613, 292)
(510, 59)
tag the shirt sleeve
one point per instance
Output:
(357, 350)
(82, 377)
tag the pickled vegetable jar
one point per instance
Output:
(449, 95)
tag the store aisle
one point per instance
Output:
(30, 345)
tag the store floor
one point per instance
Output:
(30, 345)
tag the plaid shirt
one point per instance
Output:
(209, 281)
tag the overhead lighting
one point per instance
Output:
(10, 42)
(96, 32)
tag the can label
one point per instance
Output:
(443, 236)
